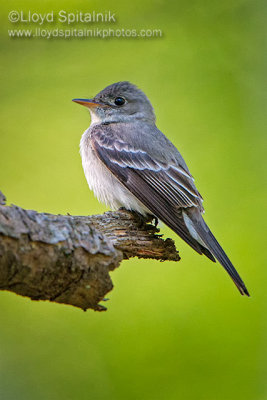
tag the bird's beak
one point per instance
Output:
(87, 102)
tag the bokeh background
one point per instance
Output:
(185, 333)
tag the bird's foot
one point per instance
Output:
(156, 221)
(139, 218)
(152, 219)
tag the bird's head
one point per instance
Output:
(119, 102)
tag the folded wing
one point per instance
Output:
(166, 189)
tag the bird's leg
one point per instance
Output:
(152, 218)
(156, 220)
(123, 209)
(140, 219)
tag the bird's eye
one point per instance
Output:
(119, 101)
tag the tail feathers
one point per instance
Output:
(207, 253)
(216, 250)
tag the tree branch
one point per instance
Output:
(67, 259)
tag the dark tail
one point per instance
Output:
(214, 247)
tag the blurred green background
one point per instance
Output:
(186, 333)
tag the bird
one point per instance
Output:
(129, 163)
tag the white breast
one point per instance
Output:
(106, 187)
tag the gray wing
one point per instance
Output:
(165, 188)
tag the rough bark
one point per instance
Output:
(67, 259)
